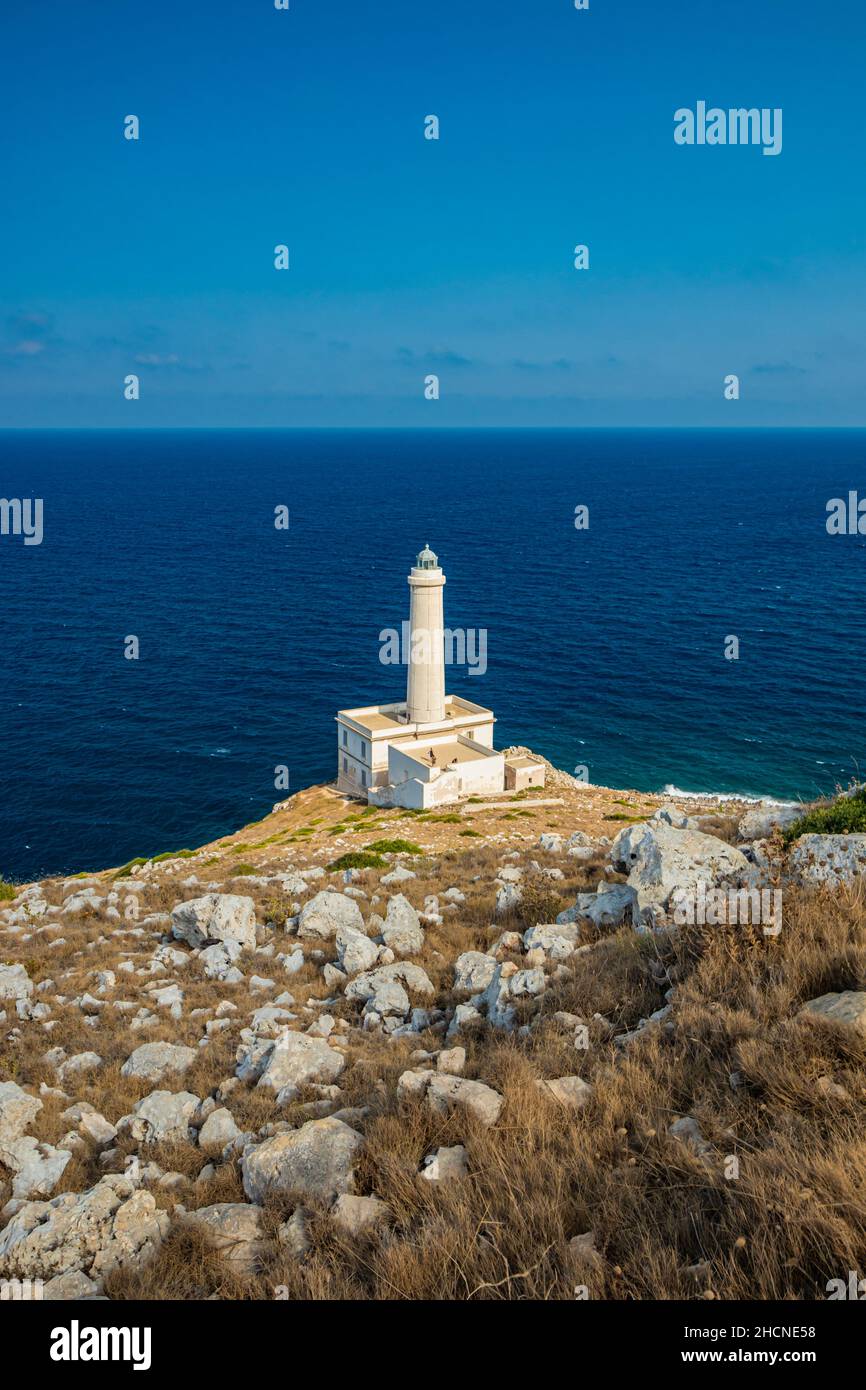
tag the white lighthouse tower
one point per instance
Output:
(430, 749)
(425, 686)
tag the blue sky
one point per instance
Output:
(410, 256)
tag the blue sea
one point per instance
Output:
(605, 646)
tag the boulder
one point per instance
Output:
(570, 1091)
(296, 1059)
(848, 1009)
(109, 1226)
(446, 1164)
(154, 1061)
(215, 917)
(558, 941)
(402, 931)
(37, 1167)
(18, 1110)
(163, 1117)
(359, 1215)
(355, 951)
(236, 1230)
(412, 977)
(508, 899)
(321, 918)
(444, 1092)
(15, 983)
(473, 972)
(827, 860)
(551, 842)
(761, 820)
(662, 861)
(399, 874)
(218, 1130)
(317, 1160)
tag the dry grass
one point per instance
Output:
(777, 1210)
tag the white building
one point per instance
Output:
(430, 749)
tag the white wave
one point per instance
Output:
(678, 794)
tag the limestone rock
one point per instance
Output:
(473, 972)
(828, 860)
(154, 1061)
(568, 1090)
(847, 1009)
(15, 983)
(412, 977)
(17, 1111)
(446, 1164)
(444, 1092)
(37, 1167)
(402, 932)
(236, 1230)
(661, 861)
(355, 951)
(218, 1130)
(358, 1215)
(323, 915)
(215, 917)
(110, 1225)
(295, 1060)
(163, 1117)
(318, 1160)
(761, 820)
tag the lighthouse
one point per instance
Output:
(425, 684)
(430, 749)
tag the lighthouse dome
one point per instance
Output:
(427, 560)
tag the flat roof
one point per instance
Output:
(452, 751)
(389, 718)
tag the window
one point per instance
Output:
(363, 777)
(345, 739)
(345, 764)
(363, 749)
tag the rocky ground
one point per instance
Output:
(349, 1053)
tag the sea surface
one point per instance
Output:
(605, 646)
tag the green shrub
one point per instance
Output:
(466, 834)
(7, 890)
(846, 815)
(394, 847)
(124, 872)
(357, 859)
(240, 870)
